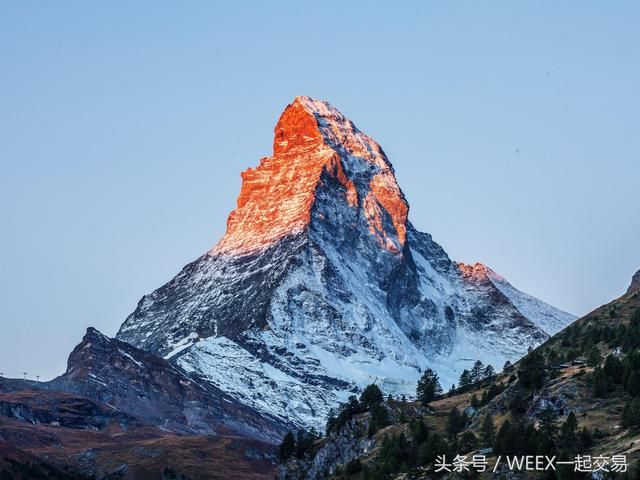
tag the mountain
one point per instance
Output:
(545, 316)
(48, 434)
(635, 283)
(577, 394)
(155, 392)
(120, 412)
(321, 285)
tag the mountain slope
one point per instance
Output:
(547, 317)
(321, 285)
(138, 384)
(120, 412)
(64, 443)
(569, 379)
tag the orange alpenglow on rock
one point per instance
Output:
(312, 138)
(477, 271)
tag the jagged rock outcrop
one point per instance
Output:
(321, 285)
(336, 450)
(154, 391)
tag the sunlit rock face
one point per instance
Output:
(321, 285)
(314, 147)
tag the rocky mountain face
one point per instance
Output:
(321, 285)
(635, 283)
(338, 449)
(140, 385)
(121, 412)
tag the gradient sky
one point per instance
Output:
(512, 126)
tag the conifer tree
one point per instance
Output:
(548, 427)
(456, 421)
(502, 443)
(379, 415)
(586, 439)
(465, 380)
(287, 447)
(489, 372)
(331, 421)
(370, 396)
(568, 436)
(532, 370)
(488, 431)
(600, 383)
(593, 357)
(428, 387)
(302, 443)
(614, 369)
(476, 371)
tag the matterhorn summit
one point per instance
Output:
(321, 285)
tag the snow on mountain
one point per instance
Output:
(321, 285)
(547, 317)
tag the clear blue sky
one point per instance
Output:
(513, 128)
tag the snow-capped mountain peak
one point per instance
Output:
(321, 285)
